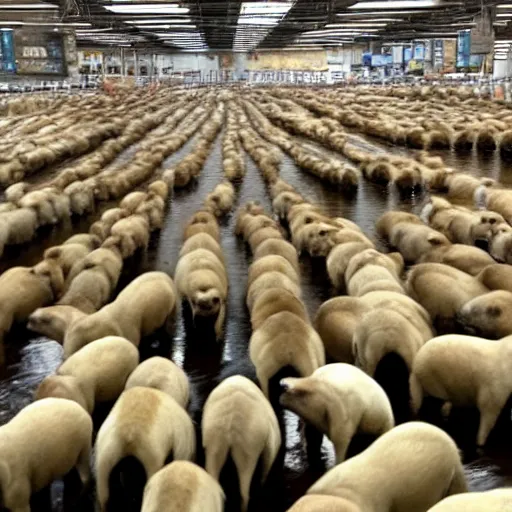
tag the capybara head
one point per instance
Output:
(488, 315)
(500, 246)
(51, 271)
(408, 178)
(159, 188)
(306, 397)
(206, 302)
(253, 208)
(202, 217)
(53, 321)
(321, 240)
(482, 229)
(87, 239)
(393, 262)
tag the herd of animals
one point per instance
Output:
(438, 298)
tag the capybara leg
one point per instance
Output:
(219, 323)
(446, 409)
(246, 465)
(268, 461)
(416, 391)
(458, 485)
(105, 461)
(215, 459)
(150, 460)
(83, 465)
(263, 380)
(488, 417)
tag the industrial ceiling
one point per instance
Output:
(232, 25)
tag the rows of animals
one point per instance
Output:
(426, 120)
(438, 298)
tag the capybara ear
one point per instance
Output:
(95, 242)
(53, 253)
(435, 239)
(398, 260)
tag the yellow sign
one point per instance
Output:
(315, 60)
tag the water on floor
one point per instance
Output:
(31, 358)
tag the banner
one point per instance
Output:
(463, 48)
(7, 61)
(482, 35)
(438, 53)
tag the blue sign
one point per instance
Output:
(381, 60)
(463, 48)
(367, 59)
(475, 61)
(407, 54)
(7, 62)
(419, 52)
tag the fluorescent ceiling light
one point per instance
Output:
(336, 31)
(164, 27)
(504, 15)
(28, 6)
(264, 14)
(156, 21)
(351, 25)
(504, 6)
(92, 30)
(251, 8)
(145, 27)
(258, 20)
(177, 34)
(399, 4)
(146, 8)
(42, 24)
(369, 15)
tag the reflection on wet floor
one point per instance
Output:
(31, 359)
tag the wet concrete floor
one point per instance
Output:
(31, 358)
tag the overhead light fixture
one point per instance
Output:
(156, 21)
(258, 20)
(166, 27)
(504, 15)
(161, 27)
(28, 6)
(93, 30)
(504, 6)
(368, 16)
(147, 8)
(264, 14)
(357, 24)
(336, 31)
(265, 8)
(42, 24)
(403, 4)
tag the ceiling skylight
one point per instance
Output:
(403, 4)
(255, 21)
(147, 9)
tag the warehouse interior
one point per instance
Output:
(255, 256)
(297, 40)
